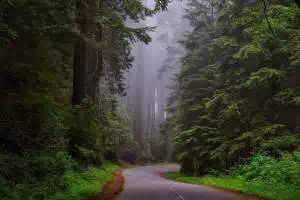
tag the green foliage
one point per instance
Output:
(44, 170)
(270, 171)
(32, 176)
(264, 77)
(276, 191)
(47, 144)
(237, 90)
(118, 132)
(49, 177)
(111, 19)
(80, 185)
(85, 134)
(98, 131)
(262, 175)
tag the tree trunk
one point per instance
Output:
(87, 61)
(79, 72)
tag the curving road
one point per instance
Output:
(145, 183)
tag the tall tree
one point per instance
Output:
(97, 22)
(233, 78)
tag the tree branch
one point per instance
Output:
(267, 19)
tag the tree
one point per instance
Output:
(97, 22)
(233, 85)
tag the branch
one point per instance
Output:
(267, 19)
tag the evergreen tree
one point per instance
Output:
(62, 65)
(237, 84)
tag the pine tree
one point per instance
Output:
(234, 76)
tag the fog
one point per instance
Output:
(149, 77)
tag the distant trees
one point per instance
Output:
(103, 46)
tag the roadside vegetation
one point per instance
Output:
(56, 177)
(83, 184)
(262, 176)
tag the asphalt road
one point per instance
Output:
(145, 183)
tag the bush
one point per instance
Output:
(262, 176)
(31, 176)
(36, 123)
(86, 134)
(98, 132)
(49, 177)
(285, 170)
(84, 184)
(90, 157)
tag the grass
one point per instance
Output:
(267, 191)
(88, 183)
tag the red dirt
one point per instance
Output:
(112, 188)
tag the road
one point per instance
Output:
(145, 183)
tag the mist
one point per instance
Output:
(147, 81)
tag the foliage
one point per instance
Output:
(237, 88)
(85, 134)
(49, 177)
(33, 176)
(270, 171)
(48, 144)
(81, 185)
(238, 184)
(262, 175)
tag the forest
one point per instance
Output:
(235, 101)
(224, 102)
(62, 67)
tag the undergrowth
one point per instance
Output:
(49, 177)
(264, 176)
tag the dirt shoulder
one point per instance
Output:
(112, 188)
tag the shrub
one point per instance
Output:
(285, 170)
(33, 176)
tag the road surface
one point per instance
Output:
(145, 183)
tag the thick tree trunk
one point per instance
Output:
(87, 61)
(79, 72)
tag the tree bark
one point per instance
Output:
(79, 72)
(87, 61)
